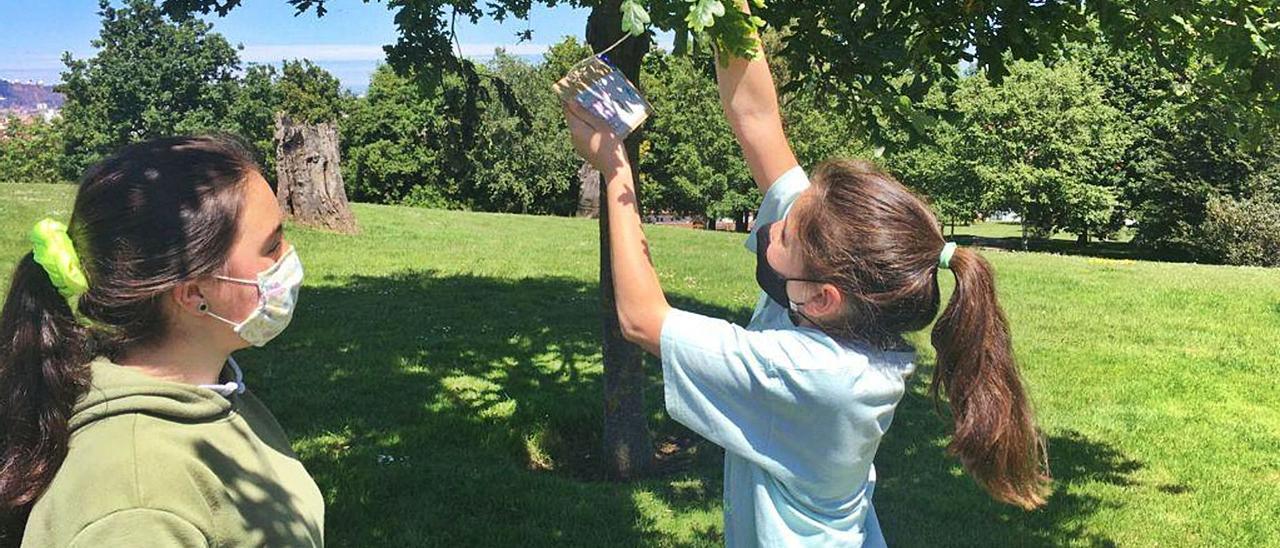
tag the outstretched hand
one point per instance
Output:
(594, 140)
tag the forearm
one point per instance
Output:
(747, 90)
(642, 307)
(750, 101)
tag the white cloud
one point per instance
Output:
(266, 53)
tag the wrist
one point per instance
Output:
(612, 165)
(616, 173)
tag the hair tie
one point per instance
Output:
(52, 248)
(944, 259)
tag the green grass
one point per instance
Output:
(442, 382)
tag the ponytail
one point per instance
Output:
(995, 434)
(42, 375)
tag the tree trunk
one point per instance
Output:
(310, 189)
(680, 45)
(628, 447)
(588, 191)
(709, 223)
(742, 221)
(1022, 219)
(1082, 239)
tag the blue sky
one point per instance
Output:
(347, 41)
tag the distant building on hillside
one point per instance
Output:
(29, 99)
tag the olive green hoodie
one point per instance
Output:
(157, 463)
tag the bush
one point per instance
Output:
(31, 151)
(1242, 232)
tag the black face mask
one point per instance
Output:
(773, 283)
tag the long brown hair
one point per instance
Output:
(879, 244)
(155, 214)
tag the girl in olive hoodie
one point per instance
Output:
(124, 421)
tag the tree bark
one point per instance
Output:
(588, 191)
(628, 447)
(742, 222)
(310, 189)
(1022, 219)
(681, 42)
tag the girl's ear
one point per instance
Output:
(825, 302)
(189, 298)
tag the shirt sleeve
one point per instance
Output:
(719, 380)
(141, 527)
(777, 202)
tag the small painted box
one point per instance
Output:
(602, 89)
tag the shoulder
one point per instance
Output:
(831, 370)
(262, 422)
(806, 348)
(135, 470)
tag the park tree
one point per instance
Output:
(884, 57)
(151, 76)
(31, 150)
(1242, 231)
(253, 113)
(159, 73)
(1183, 157)
(403, 144)
(309, 93)
(520, 162)
(395, 144)
(881, 57)
(691, 164)
(1044, 145)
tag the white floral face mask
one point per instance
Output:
(277, 297)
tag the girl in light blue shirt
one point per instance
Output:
(800, 398)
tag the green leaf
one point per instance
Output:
(1185, 25)
(703, 13)
(1262, 45)
(634, 17)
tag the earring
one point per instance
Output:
(203, 307)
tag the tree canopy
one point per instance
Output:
(885, 56)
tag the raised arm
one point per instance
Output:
(750, 103)
(642, 307)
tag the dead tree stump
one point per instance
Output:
(310, 188)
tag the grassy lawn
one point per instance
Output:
(442, 382)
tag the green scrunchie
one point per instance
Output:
(52, 248)
(944, 258)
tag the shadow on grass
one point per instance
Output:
(1106, 250)
(465, 410)
(462, 411)
(919, 483)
